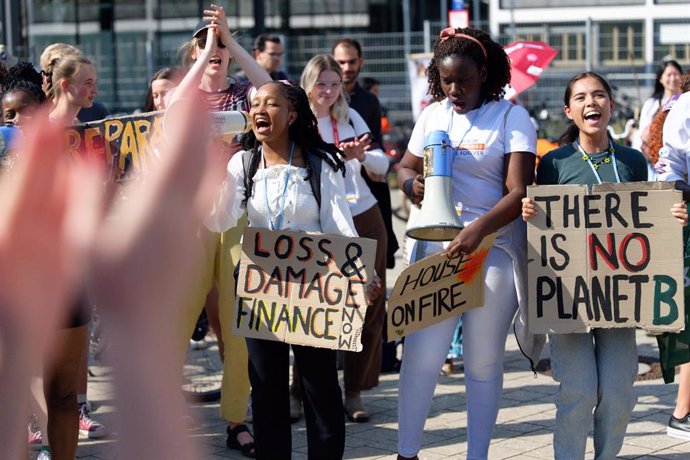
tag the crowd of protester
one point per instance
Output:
(62, 254)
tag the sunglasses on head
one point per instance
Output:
(201, 43)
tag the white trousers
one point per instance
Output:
(484, 335)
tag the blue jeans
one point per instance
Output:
(596, 371)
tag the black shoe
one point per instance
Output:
(233, 443)
(679, 427)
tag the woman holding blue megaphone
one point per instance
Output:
(492, 145)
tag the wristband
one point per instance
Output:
(408, 187)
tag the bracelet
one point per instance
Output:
(408, 187)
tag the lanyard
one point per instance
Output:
(588, 159)
(336, 138)
(279, 216)
(471, 121)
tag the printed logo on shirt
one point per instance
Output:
(475, 149)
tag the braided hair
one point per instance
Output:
(23, 77)
(496, 62)
(49, 59)
(304, 132)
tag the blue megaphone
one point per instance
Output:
(438, 219)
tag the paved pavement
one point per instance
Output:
(524, 428)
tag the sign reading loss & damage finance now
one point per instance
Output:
(303, 288)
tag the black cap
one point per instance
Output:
(203, 25)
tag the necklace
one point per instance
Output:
(606, 159)
(279, 216)
(609, 157)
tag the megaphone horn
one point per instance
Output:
(438, 220)
(221, 124)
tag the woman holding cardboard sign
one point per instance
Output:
(495, 163)
(278, 195)
(596, 370)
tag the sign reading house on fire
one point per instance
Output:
(436, 288)
(303, 288)
(606, 256)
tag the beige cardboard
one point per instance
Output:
(436, 288)
(592, 266)
(303, 288)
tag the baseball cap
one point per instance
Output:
(203, 25)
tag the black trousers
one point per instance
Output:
(323, 404)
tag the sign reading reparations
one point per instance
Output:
(436, 288)
(124, 144)
(607, 257)
(303, 288)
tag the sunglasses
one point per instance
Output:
(201, 43)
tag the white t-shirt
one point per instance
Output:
(674, 156)
(359, 195)
(300, 212)
(478, 169)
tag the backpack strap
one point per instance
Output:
(315, 179)
(249, 157)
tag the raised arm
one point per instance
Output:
(219, 22)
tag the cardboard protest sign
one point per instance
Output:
(436, 288)
(303, 288)
(121, 143)
(609, 256)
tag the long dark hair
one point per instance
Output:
(304, 132)
(658, 87)
(496, 62)
(572, 131)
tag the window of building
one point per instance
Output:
(61, 11)
(621, 43)
(176, 9)
(567, 38)
(506, 4)
(672, 39)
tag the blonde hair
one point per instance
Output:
(65, 68)
(185, 53)
(49, 60)
(54, 52)
(340, 110)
